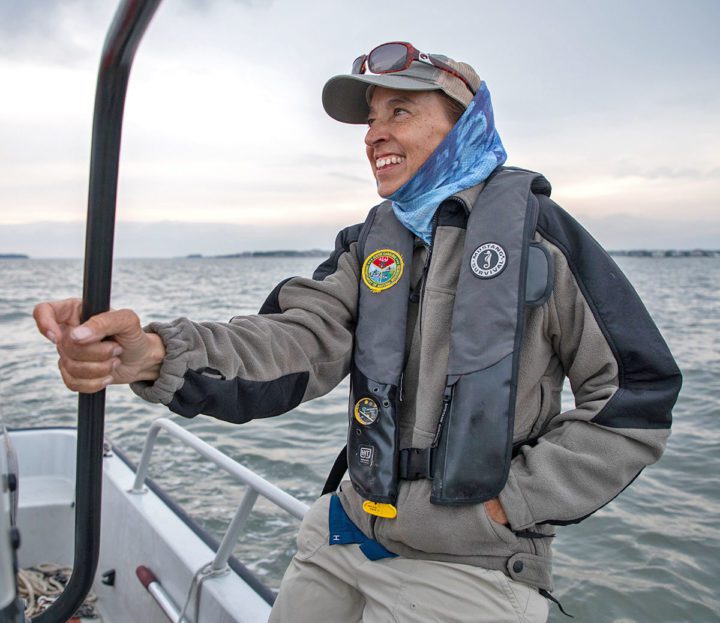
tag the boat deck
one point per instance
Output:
(140, 527)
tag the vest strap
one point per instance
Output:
(415, 463)
(337, 472)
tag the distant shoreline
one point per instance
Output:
(320, 253)
(278, 253)
(667, 253)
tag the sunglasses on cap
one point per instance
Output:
(395, 56)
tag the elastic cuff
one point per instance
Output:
(514, 504)
(173, 368)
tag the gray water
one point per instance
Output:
(652, 555)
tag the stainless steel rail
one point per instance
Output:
(257, 485)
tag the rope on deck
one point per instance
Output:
(40, 586)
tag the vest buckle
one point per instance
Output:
(415, 463)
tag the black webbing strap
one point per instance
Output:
(548, 595)
(415, 463)
(336, 472)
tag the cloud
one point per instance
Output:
(672, 173)
(168, 238)
(57, 32)
(616, 102)
(349, 177)
(627, 231)
(207, 4)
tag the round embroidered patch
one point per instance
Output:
(488, 260)
(366, 411)
(382, 270)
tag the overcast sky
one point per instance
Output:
(227, 148)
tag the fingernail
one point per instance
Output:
(117, 351)
(107, 380)
(51, 336)
(81, 333)
(115, 363)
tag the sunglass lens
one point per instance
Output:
(358, 66)
(387, 58)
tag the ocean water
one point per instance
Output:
(652, 555)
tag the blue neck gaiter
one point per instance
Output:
(467, 155)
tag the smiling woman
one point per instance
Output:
(456, 308)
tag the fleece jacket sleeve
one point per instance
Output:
(622, 375)
(297, 348)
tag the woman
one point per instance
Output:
(458, 307)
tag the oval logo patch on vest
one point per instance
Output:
(488, 260)
(382, 270)
(366, 411)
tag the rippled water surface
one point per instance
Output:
(652, 555)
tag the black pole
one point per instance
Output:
(129, 24)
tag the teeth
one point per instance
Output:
(383, 162)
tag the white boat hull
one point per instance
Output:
(137, 529)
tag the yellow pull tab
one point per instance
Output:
(381, 510)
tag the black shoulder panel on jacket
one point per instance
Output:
(649, 380)
(342, 243)
(237, 400)
(272, 302)
(452, 213)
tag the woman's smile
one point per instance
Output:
(405, 127)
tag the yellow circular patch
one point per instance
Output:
(382, 270)
(366, 411)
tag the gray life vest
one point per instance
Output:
(502, 271)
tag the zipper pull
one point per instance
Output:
(447, 398)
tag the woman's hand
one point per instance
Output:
(109, 348)
(496, 512)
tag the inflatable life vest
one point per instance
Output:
(502, 271)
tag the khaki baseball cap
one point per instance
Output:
(345, 97)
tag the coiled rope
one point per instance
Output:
(40, 586)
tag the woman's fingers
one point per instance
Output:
(84, 386)
(123, 324)
(98, 351)
(88, 370)
(50, 316)
(109, 347)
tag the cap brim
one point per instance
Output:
(344, 97)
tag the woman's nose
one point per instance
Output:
(376, 133)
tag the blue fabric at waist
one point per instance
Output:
(343, 532)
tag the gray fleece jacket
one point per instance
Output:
(593, 330)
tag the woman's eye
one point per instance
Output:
(399, 111)
(370, 121)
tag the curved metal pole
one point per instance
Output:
(129, 24)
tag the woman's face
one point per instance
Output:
(405, 127)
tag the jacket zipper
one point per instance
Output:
(447, 398)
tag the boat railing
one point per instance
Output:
(256, 485)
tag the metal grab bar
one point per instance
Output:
(257, 485)
(128, 26)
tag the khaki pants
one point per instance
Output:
(337, 584)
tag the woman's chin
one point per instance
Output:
(385, 189)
